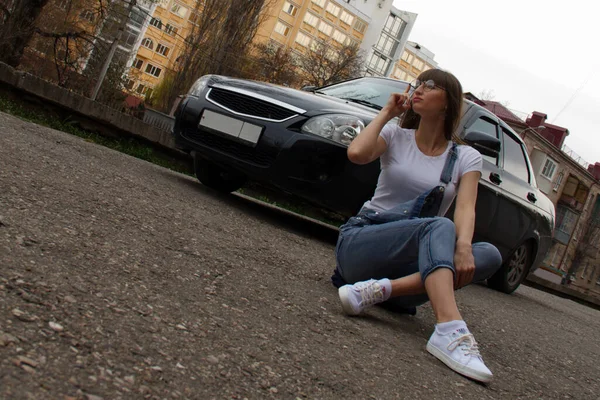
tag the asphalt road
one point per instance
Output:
(123, 280)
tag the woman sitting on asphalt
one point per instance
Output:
(400, 249)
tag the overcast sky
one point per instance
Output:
(535, 55)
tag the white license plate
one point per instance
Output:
(233, 127)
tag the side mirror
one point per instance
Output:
(309, 88)
(484, 143)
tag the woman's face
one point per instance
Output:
(429, 99)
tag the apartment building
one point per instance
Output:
(572, 185)
(161, 44)
(299, 24)
(414, 60)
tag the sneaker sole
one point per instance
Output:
(343, 293)
(455, 366)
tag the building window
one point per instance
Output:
(141, 89)
(408, 57)
(303, 39)
(320, 3)
(558, 181)
(333, 9)
(171, 30)
(87, 15)
(347, 18)
(137, 64)
(144, 90)
(565, 224)
(64, 4)
(156, 22)
(419, 64)
(386, 44)
(400, 74)
(339, 37)
(360, 26)
(162, 50)
(311, 19)
(179, 10)
(325, 28)
(137, 17)
(378, 63)
(290, 8)
(130, 36)
(549, 168)
(147, 42)
(282, 29)
(393, 25)
(152, 70)
(163, 3)
(129, 84)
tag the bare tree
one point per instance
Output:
(486, 94)
(329, 62)
(275, 64)
(219, 42)
(490, 95)
(17, 28)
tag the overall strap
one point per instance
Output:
(449, 166)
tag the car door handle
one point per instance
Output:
(531, 197)
(495, 178)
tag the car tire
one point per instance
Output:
(217, 178)
(513, 271)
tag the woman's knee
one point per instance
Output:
(490, 255)
(443, 228)
(488, 260)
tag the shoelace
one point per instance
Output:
(467, 344)
(370, 293)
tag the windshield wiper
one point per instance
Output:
(363, 102)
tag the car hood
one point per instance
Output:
(313, 103)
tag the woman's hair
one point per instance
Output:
(454, 98)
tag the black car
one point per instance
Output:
(296, 140)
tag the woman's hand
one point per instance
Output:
(464, 263)
(397, 104)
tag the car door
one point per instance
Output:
(490, 182)
(518, 194)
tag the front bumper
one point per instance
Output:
(306, 165)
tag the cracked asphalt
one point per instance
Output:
(123, 280)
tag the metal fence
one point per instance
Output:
(160, 120)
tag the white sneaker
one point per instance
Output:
(355, 298)
(458, 350)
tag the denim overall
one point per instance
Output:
(427, 205)
(406, 239)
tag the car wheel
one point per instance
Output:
(513, 271)
(216, 177)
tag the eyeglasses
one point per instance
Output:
(428, 85)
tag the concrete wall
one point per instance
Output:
(81, 105)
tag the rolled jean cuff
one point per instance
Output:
(435, 266)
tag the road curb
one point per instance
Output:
(562, 291)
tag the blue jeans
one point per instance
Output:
(401, 248)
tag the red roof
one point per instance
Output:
(502, 112)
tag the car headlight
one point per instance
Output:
(340, 128)
(199, 86)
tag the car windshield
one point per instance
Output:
(367, 91)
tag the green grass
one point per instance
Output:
(142, 150)
(130, 146)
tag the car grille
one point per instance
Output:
(233, 148)
(248, 105)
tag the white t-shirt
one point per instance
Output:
(406, 172)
